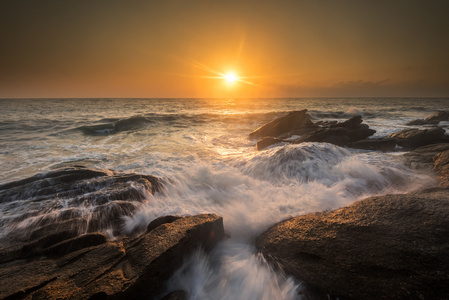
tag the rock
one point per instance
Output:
(426, 158)
(382, 144)
(351, 123)
(338, 135)
(438, 116)
(292, 121)
(265, 142)
(105, 195)
(96, 268)
(386, 247)
(298, 123)
(161, 220)
(435, 118)
(441, 161)
(414, 138)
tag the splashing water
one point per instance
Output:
(201, 145)
(256, 190)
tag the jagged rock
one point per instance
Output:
(386, 247)
(382, 144)
(95, 268)
(292, 121)
(414, 138)
(339, 134)
(434, 118)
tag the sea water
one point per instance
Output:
(202, 147)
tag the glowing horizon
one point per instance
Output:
(174, 49)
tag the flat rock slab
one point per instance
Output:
(386, 247)
(100, 269)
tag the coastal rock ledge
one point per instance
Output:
(385, 247)
(92, 267)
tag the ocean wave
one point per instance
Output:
(128, 124)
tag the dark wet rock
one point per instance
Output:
(292, 121)
(71, 193)
(435, 118)
(266, 142)
(414, 138)
(91, 267)
(382, 144)
(351, 123)
(338, 133)
(161, 220)
(386, 247)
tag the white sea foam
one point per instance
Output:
(252, 192)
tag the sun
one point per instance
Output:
(230, 77)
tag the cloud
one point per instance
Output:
(363, 88)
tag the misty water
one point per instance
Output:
(200, 148)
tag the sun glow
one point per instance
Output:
(230, 77)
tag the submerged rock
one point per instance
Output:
(386, 247)
(92, 267)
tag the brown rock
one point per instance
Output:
(386, 247)
(161, 220)
(100, 269)
(441, 162)
(292, 121)
(434, 118)
(414, 138)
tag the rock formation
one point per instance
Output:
(299, 123)
(90, 266)
(414, 138)
(386, 247)
(435, 118)
(64, 253)
(295, 120)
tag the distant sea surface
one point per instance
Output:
(202, 146)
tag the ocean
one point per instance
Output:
(200, 147)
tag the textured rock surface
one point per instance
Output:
(387, 247)
(414, 138)
(292, 121)
(91, 267)
(340, 134)
(86, 199)
(51, 246)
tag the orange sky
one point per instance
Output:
(165, 48)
